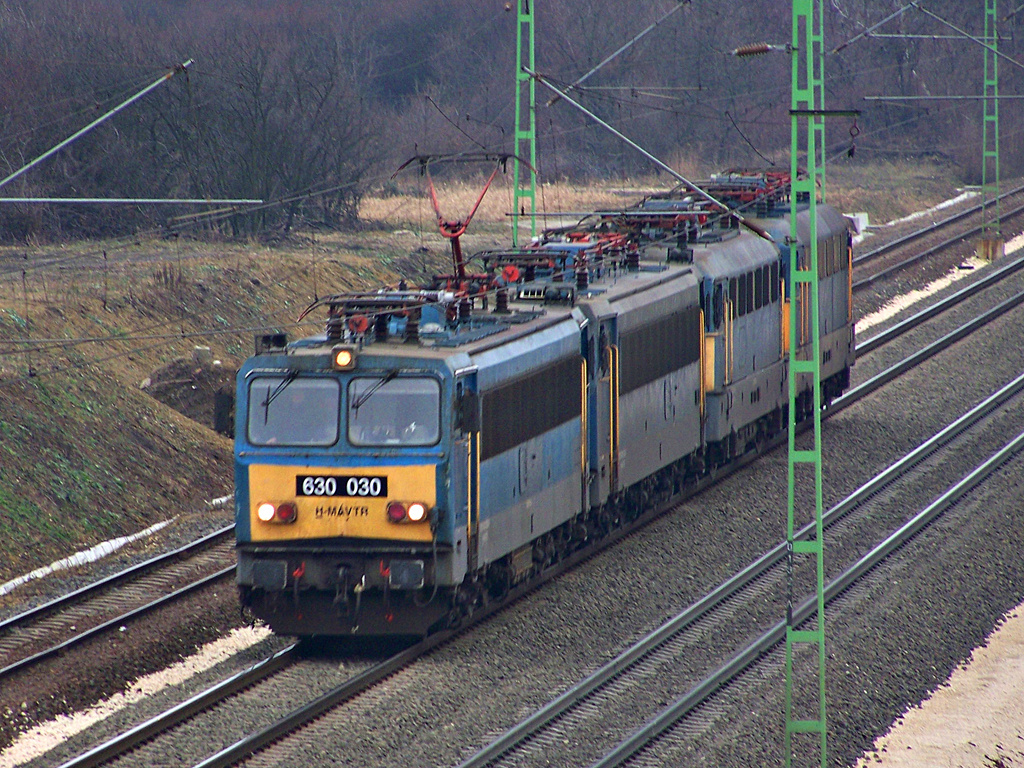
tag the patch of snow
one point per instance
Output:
(1014, 244)
(945, 204)
(899, 303)
(860, 238)
(44, 737)
(973, 719)
(81, 558)
(101, 550)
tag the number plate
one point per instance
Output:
(359, 486)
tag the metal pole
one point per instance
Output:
(807, 132)
(525, 134)
(991, 245)
(97, 121)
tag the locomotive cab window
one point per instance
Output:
(391, 410)
(293, 410)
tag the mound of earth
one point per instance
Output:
(199, 387)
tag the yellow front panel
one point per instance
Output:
(340, 516)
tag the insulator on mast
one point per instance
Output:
(756, 49)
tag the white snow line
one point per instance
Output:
(81, 558)
(1014, 244)
(221, 502)
(921, 214)
(899, 303)
(44, 737)
(100, 550)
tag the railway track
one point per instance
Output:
(109, 604)
(363, 681)
(873, 343)
(917, 246)
(621, 685)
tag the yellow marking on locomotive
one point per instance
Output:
(727, 343)
(361, 517)
(785, 325)
(704, 363)
(583, 427)
(614, 387)
(849, 280)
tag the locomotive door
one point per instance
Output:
(466, 494)
(606, 424)
(718, 307)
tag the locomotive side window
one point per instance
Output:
(750, 291)
(524, 408)
(775, 281)
(291, 410)
(392, 410)
(741, 289)
(656, 349)
(758, 289)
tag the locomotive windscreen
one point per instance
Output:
(288, 410)
(394, 411)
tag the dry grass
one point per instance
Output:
(885, 189)
(409, 207)
(890, 189)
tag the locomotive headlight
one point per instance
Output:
(343, 358)
(286, 512)
(407, 512)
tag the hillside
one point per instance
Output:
(97, 349)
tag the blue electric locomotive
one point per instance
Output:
(434, 448)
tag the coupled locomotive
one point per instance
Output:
(435, 447)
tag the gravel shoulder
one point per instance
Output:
(975, 719)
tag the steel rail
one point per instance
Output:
(134, 571)
(528, 728)
(110, 624)
(859, 284)
(185, 710)
(683, 706)
(928, 230)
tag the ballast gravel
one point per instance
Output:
(888, 648)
